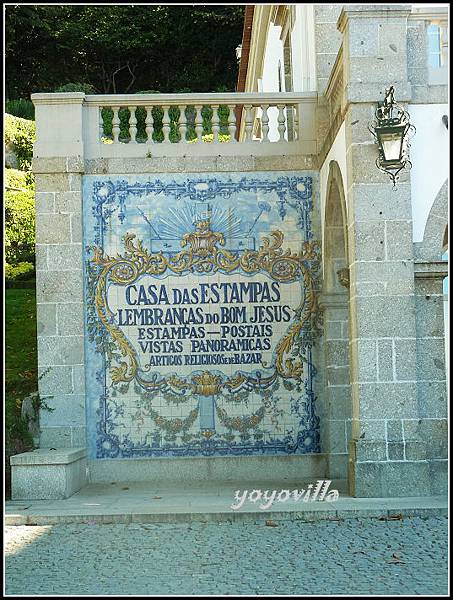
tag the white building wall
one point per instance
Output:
(303, 46)
(269, 81)
(429, 154)
(297, 51)
(273, 54)
(429, 151)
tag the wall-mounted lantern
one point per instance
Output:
(392, 130)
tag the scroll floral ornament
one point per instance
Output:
(204, 256)
(241, 423)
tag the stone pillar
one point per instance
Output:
(382, 300)
(58, 166)
(431, 426)
(336, 417)
(327, 41)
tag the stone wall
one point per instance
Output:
(382, 386)
(418, 68)
(59, 285)
(328, 42)
(431, 427)
(393, 377)
(60, 272)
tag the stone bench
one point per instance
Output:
(46, 474)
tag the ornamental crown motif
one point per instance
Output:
(203, 240)
(206, 384)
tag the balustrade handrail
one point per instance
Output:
(180, 98)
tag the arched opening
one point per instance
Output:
(337, 406)
(335, 240)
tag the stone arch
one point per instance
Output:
(435, 237)
(337, 403)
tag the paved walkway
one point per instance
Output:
(353, 556)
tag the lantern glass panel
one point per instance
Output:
(391, 141)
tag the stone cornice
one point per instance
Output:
(58, 98)
(429, 13)
(365, 11)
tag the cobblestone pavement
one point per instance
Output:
(364, 556)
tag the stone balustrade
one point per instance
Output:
(140, 125)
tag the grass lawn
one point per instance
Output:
(21, 355)
(20, 366)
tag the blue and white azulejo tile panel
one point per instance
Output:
(201, 314)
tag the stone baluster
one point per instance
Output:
(101, 124)
(166, 124)
(182, 123)
(149, 122)
(215, 123)
(116, 124)
(232, 122)
(281, 122)
(296, 122)
(199, 123)
(132, 124)
(265, 123)
(248, 122)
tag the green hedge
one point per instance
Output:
(21, 108)
(158, 114)
(19, 196)
(76, 87)
(21, 134)
(23, 271)
(18, 179)
(19, 217)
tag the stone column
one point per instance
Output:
(381, 259)
(431, 426)
(336, 416)
(328, 41)
(58, 167)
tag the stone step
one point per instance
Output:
(150, 503)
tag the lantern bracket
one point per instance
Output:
(392, 121)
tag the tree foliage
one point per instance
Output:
(20, 135)
(19, 199)
(122, 48)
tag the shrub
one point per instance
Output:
(20, 134)
(20, 272)
(17, 179)
(209, 138)
(107, 117)
(76, 87)
(158, 114)
(19, 219)
(21, 108)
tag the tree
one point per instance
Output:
(122, 48)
